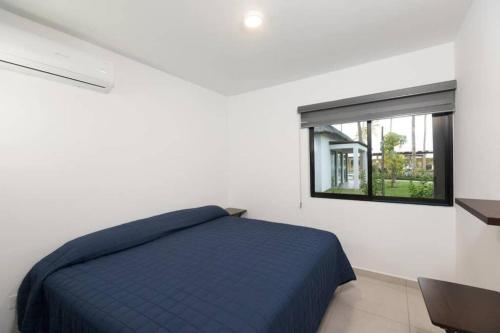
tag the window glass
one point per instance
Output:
(402, 157)
(341, 158)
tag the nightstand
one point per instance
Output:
(237, 212)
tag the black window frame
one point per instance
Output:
(444, 127)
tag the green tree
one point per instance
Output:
(377, 181)
(424, 156)
(413, 148)
(363, 185)
(393, 162)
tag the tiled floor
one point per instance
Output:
(375, 304)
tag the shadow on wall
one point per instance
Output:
(476, 242)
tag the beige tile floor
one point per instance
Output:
(375, 304)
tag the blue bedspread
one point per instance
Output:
(196, 270)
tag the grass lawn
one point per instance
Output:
(400, 189)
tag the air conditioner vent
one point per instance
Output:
(35, 55)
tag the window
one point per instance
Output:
(396, 159)
(394, 146)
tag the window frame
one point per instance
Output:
(446, 126)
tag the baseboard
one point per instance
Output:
(386, 277)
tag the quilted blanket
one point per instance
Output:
(195, 270)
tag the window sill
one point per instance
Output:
(411, 201)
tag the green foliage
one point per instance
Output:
(393, 140)
(377, 179)
(363, 185)
(423, 188)
(394, 162)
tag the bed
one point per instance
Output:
(194, 270)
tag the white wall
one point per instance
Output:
(74, 161)
(398, 239)
(477, 137)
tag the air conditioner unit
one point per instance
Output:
(32, 54)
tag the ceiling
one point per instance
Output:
(204, 42)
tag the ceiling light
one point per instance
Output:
(253, 20)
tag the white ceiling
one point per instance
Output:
(203, 41)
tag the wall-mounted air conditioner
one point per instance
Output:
(32, 54)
